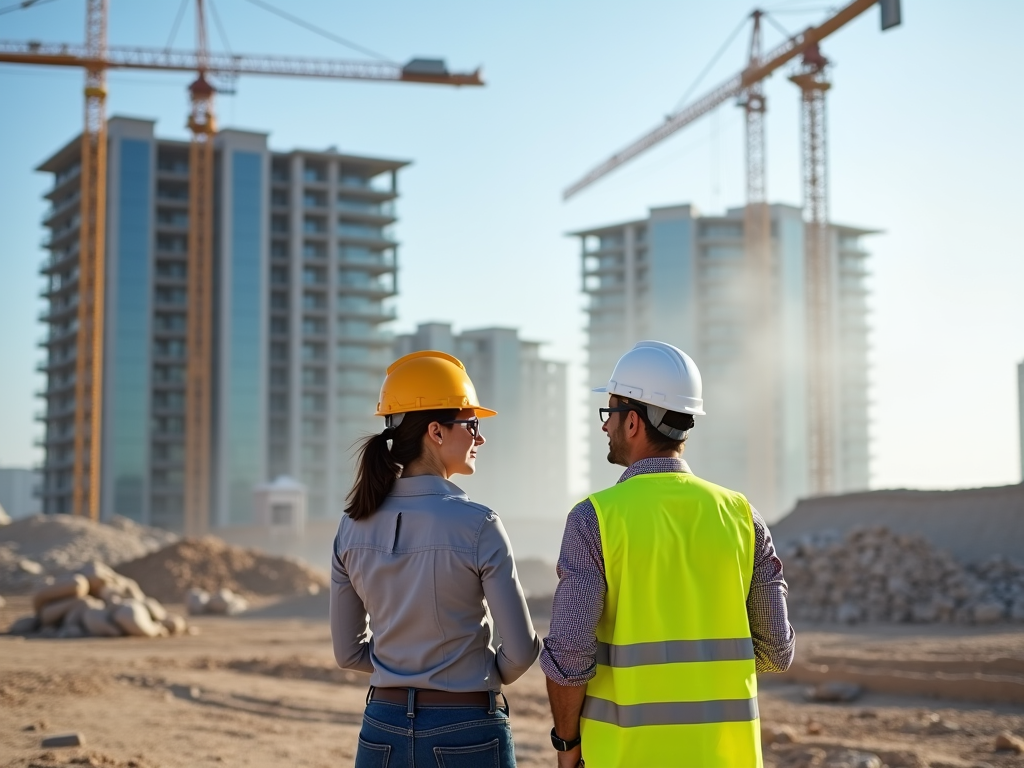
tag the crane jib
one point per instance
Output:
(755, 72)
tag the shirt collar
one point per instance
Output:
(655, 464)
(426, 485)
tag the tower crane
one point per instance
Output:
(747, 87)
(95, 56)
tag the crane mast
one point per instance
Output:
(89, 351)
(757, 298)
(812, 79)
(199, 324)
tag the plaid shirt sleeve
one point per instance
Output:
(570, 649)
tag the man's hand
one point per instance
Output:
(571, 759)
(566, 705)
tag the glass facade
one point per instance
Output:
(244, 400)
(127, 396)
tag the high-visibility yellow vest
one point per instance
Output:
(676, 682)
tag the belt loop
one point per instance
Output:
(369, 695)
(508, 710)
(410, 707)
(491, 703)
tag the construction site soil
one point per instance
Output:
(263, 690)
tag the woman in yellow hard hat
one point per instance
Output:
(421, 574)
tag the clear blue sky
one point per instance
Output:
(925, 144)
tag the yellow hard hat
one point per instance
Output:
(425, 381)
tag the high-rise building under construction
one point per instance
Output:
(304, 266)
(677, 276)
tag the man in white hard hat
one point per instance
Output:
(670, 596)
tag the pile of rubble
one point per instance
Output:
(212, 565)
(97, 602)
(33, 548)
(874, 575)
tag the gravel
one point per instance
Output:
(874, 575)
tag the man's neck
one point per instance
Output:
(641, 455)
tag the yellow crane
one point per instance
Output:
(96, 57)
(747, 87)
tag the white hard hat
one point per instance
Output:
(661, 376)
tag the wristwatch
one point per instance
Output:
(561, 744)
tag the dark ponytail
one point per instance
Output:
(380, 466)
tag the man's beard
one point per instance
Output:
(615, 452)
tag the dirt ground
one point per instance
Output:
(263, 690)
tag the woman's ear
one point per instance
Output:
(434, 432)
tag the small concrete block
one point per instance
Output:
(1007, 741)
(51, 614)
(71, 586)
(64, 740)
(26, 625)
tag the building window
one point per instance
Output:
(279, 224)
(279, 197)
(314, 377)
(314, 172)
(172, 243)
(171, 296)
(314, 276)
(312, 326)
(171, 270)
(313, 403)
(313, 351)
(279, 275)
(314, 225)
(165, 322)
(279, 300)
(279, 351)
(279, 249)
(279, 326)
(312, 250)
(314, 301)
(314, 199)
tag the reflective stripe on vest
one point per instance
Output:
(670, 712)
(675, 682)
(674, 652)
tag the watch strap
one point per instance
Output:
(563, 745)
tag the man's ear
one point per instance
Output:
(634, 421)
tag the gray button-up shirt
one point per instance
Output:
(415, 585)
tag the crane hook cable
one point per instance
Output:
(320, 31)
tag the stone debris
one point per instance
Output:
(64, 740)
(833, 691)
(777, 734)
(1006, 741)
(223, 602)
(874, 575)
(212, 565)
(97, 602)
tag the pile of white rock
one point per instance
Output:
(223, 602)
(97, 602)
(874, 575)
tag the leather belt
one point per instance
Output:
(430, 698)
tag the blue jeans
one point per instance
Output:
(437, 737)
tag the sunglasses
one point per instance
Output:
(472, 425)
